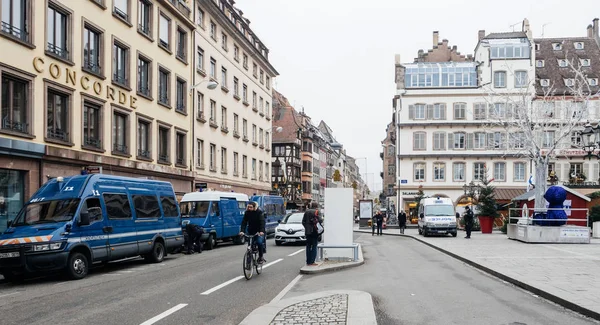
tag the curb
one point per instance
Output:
(360, 310)
(546, 295)
(344, 265)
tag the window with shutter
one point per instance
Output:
(450, 141)
(429, 112)
(470, 137)
(411, 112)
(586, 169)
(596, 173)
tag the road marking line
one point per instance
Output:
(269, 264)
(163, 315)
(9, 294)
(286, 289)
(222, 285)
(297, 252)
(127, 271)
(63, 282)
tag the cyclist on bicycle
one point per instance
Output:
(254, 219)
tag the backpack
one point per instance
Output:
(316, 224)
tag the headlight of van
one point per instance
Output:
(47, 247)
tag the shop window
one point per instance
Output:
(11, 195)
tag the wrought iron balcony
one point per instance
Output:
(58, 134)
(92, 142)
(144, 28)
(121, 13)
(14, 125)
(180, 161)
(92, 66)
(14, 31)
(63, 53)
(180, 107)
(144, 153)
(145, 90)
(181, 52)
(163, 99)
(120, 78)
(121, 148)
(163, 158)
(182, 7)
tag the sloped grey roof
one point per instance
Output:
(506, 35)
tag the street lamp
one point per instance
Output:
(278, 129)
(590, 137)
(211, 84)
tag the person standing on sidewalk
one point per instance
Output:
(468, 221)
(402, 221)
(379, 219)
(309, 221)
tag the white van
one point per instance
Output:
(437, 216)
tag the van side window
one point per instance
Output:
(242, 205)
(214, 209)
(146, 206)
(169, 206)
(117, 206)
(92, 206)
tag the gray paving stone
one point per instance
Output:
(326, 310)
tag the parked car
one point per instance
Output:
(291, 230)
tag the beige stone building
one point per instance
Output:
(233, 123)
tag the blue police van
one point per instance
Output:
(73, 222)
(219, 213)
(273, 207)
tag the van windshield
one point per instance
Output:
(439, 210)
(47, 212)
(194, 209)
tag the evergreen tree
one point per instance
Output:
(486, 202)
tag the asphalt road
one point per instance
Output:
(410, 284)
(133, 292)
(414, 284)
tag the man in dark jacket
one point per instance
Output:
(469, 219)
(309, 221)
(193, 237)
(402, 221)
(254, 219)
(379, 219)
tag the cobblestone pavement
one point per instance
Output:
(323, 311)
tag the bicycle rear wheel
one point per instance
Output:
(247, 266)
(257, 266)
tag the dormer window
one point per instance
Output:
(569, 82)
(585, 62)
(593, 81)
(545, 82)
(539, 63)
(557, 46)
(579, 45)
(563, 63)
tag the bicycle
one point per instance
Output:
(250, 262)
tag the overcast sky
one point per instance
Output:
(336, 57)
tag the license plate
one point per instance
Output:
(290, 240)
(9, 255)
(441, 231)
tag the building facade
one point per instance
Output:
(444, 139)
(82, 86)
(388, 173)
(232, 126)
(444, 108)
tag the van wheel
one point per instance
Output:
(211, 242)
(77, 267)
(157, 254)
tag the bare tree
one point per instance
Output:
(539, 123)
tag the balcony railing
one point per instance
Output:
(180, 161)
(92, 142)
(14, 125)
(121, 13)
(144, 153)
(182, 7)
(63, 53)
(119, 78)
(120, 148)
(163, 99)
(58, 134)
(180, 107)
(92, 66)
(14, 31)
(145, 90)
(144, 28)
(163, 158)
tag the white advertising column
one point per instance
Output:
(339, 222)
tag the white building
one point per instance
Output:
(442, 139)
(232, 125)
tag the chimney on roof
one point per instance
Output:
(527, 28)
(590, 31)
(481, 34)
(595, 27)
(397, 59)
(436, 38)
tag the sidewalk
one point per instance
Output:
(567, 274)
